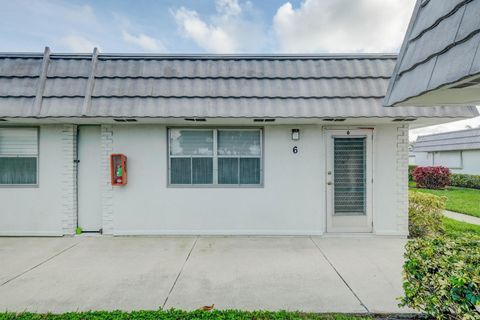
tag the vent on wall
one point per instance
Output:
(404, 120)
(467, 84)
(264, 120)
(125, 120)
(196, 119)
(334, 119)
(3, 120)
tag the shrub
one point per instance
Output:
(173, 314)
(432, 177)
(425, 212)
(410, 172)
(465, 181)
(442, 277)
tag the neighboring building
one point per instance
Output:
(411, 159)
(235, 144)
(457, 150)
(439, 63)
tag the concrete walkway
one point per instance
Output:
(461, 217)
(273, 273)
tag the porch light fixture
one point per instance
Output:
(295, 134)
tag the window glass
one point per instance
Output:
(238, 143)
(249, 170)
(191, 142)
(18, 156)
(202, 170)
(228, 171)
(195, 161)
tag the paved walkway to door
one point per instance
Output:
(273, 273)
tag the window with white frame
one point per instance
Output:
(18, 156)
(215, 156)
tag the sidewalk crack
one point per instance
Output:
(179, 272)
(338, 273)
(39, 264)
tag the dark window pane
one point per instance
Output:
(249, 170)
(228, 170)
(181, 171)
(18, 170)
(202, 170)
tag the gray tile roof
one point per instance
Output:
(106, 85)
(454, 140)
(441, 46)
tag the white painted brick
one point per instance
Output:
(402, 180)
(107, 190)
(69, 179)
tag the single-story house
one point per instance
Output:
(204, 144)
(457, 150)
(439, 62)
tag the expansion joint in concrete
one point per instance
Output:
(38, 265)
(179, 272)
(338, 273)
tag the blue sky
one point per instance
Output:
(195, 26)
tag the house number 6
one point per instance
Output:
(295, 150)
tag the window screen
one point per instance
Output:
(18, 156)
(349, 176)
(217, 156)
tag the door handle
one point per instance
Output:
(329, 183)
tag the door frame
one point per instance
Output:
(348, 224)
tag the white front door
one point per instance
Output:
(89, 179)
(349, 180)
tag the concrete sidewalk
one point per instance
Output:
(461, 217)
(272, 273)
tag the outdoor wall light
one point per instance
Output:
(295, 134)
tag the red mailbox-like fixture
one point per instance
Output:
(118, 169)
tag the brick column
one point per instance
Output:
(107, 189)
(69, 179)
(402, 179)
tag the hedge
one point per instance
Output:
(442, 277)
(410, 172)
(465, 180)
(425, 212)
(179, 315)
(432, 177)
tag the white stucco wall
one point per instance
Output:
(292, 200)
(38, 210)
(470, 160)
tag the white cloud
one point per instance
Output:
(228, 7)
(210, 37)
(235, 27)
(342, 25)
(79, 44)
(143, 41)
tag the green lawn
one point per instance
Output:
(456, 228)
(461, 200)
(180, 315)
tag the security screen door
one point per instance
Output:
(349, 180)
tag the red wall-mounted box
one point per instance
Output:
(118, 169)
